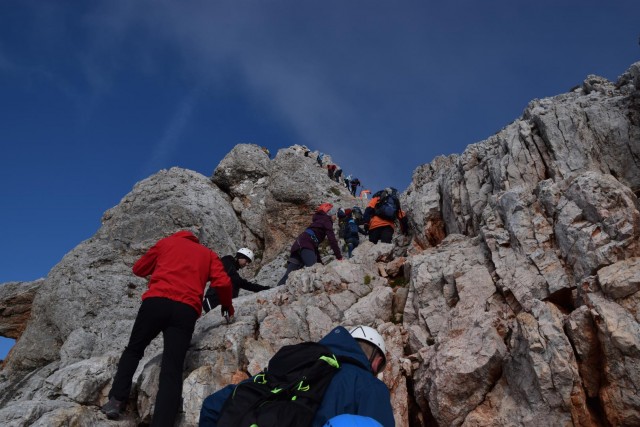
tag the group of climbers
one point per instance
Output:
(350, 182)
(377, 222)
(179, 268)
(335, 173)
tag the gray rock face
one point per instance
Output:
(516, 301)
(551, 201)
(244, 175)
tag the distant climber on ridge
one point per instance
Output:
(331, 170)
(347, 182)
(337, 174)
(355, 183)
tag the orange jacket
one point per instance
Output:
(376, 221)
(180, 268)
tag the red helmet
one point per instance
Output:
(325, 207)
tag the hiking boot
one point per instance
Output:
(114, 408)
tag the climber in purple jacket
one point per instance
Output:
(304, 251)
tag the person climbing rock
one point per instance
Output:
(354, 388)
(180, 268)
(232, 264)
(348, 229)
(331, 170)
(381, 214)
(305, 249)
(354, 183)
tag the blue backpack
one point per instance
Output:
(352, 229)
(388, 205)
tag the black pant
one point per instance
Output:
(304, 258)
(383, 234)
(352, 243)
(176, 321)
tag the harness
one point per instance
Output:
(311, 233)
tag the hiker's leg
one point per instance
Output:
(293, 265)
(349, 248)
(309, 257)
(386, 234)
(146, 327)
(353, 244)
(374, 234)
(177, 336)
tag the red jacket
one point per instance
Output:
(180, 268)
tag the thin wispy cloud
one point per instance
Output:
(171, 137)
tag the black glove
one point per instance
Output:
(227, 310)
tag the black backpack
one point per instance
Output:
(287, 393)
(388, 205)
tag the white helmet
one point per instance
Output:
(248, 253)
(368, 334)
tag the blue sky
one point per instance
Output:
(95, 96)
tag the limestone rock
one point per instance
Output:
(619, 335)
(16, 299)
(244, 175)
(296, 188)
(514, 301)
(621, 279)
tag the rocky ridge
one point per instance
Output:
(514, 301)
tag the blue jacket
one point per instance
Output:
(353, 389)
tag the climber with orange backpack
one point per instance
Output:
(381, 214)
(305, 249)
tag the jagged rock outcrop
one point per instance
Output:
(15, 306)
(516, 301)
(549, 205)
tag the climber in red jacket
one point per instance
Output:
(180, 268)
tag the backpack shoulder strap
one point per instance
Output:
(353, 361)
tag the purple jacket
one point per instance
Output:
(322, 226)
